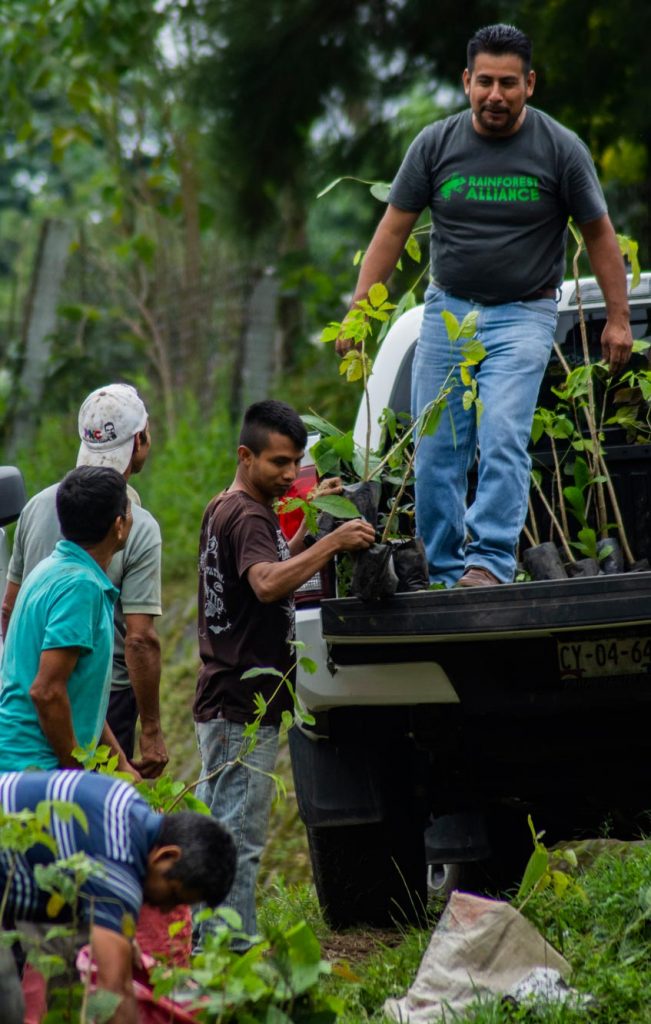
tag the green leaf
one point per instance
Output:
(406, 302)
(260, 705)
(452, 325)
(588, 539)
(230, 916)
(431, 418)
(175, 928)
(534, 871)
(629, 249)
(413, 249)
(308, 665)
(380, 190)
(537, 429)
(252, 673)
(377, 294)
(326, 429)
(101, 1006)
(561, 881)
(575, 497)
(468, 327)
(287, 719)
(473, 351)
(286, 505)
(581, 473)
(326, 459)
(387, 419)
(336, 505)
(305, 716)
(344, 446)
(351, 365)
(604, 551)
(348, 177)
(66, 810)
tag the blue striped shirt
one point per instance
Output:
(122, 830)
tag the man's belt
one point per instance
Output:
(549, 292)
(541, 293)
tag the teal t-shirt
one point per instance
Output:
(67, 601)
(135, 571)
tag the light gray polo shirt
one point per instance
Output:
(135, 571)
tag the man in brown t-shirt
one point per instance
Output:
(248, 574)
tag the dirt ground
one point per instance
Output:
(351, 947)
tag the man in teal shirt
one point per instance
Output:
(56, 664)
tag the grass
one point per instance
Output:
(604, 933)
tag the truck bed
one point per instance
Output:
(519, 650)
(515, 609)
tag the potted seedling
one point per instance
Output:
(575, 431)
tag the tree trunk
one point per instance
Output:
(39, 324)
(192, 322)
(293, 251)
(254, 371)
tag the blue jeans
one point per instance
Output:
(518, 337)
(11, 996)
(240, 797)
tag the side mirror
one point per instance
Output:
(12, 494)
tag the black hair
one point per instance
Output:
(498, 40)
(270, 416)
(89, 499)
(207, 862)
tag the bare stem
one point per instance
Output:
(367, 400)
(559, 480)
(398, 498)
(533, 541)
(621, 529)
(533, 537)
(590, 411)
(552, 515)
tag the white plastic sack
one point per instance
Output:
(479, 948)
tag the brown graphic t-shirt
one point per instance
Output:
(236, 631)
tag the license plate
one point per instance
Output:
(589, 659)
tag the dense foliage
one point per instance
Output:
(158, 218)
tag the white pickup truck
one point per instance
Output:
(443, 718)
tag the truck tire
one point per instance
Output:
(369, 874)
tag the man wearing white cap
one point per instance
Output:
(114, 432)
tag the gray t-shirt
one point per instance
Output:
(499, 205)
(135, 571)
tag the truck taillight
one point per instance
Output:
(322, 584)
(303, 484)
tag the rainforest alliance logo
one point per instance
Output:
(454, 184)
(515, 188)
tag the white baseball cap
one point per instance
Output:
(109, 419)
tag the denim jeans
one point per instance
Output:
(518, 337)
(240, 796)
(11, 996)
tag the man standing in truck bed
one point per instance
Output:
(247, 577)
(501, 180)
